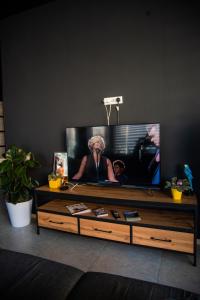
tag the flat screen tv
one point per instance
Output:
(127, 155)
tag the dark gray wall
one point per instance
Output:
(60, 60)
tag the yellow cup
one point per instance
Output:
(55, 184)
(177, 195)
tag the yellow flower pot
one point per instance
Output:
(177, 195)
(55, 184)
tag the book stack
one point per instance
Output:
(132, 216)
(100, 212)
(78, 208)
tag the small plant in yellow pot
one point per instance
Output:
(178, 186)
(55, 181)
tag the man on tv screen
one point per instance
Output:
(153, 133)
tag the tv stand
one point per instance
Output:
(164, 224)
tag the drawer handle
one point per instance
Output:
(60, 223)
(162, 240)
(106, 231)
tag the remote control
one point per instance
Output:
(115, 214)
(64, 187)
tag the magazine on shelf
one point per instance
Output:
(100, 212)
(78, 208)
(132, 216)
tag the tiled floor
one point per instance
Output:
(169, 268)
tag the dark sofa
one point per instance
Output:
(24, 276)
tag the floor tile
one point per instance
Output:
(128, 260)
(177, 270)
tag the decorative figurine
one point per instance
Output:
(188, 174)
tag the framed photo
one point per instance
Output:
(60, 165)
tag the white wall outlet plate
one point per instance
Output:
(113, 100)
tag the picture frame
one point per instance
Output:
(60, 164)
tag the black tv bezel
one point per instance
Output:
(139, 186)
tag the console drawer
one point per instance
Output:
(59, 222)
(165, 239)
(105, 230)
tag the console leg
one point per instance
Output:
(38, 230)
(195, 260)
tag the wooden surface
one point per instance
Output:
(165, 239)
(104, 230)
(167, 228)
(153, 217)
(120, 193)
(58, 222)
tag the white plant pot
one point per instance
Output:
(20, 213)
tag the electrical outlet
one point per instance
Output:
(113, 100)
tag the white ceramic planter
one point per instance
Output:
(20, 213)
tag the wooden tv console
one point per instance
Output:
(164, 223)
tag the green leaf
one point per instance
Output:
(14, 174)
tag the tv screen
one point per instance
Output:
(128, 155)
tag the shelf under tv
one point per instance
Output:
(164, 223)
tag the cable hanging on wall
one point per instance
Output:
(108, 102)
(108, 113)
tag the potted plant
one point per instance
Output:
(16, 184)
(177, 186)
(55, 180)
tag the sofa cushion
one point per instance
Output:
(98, 286)
(24, 276)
